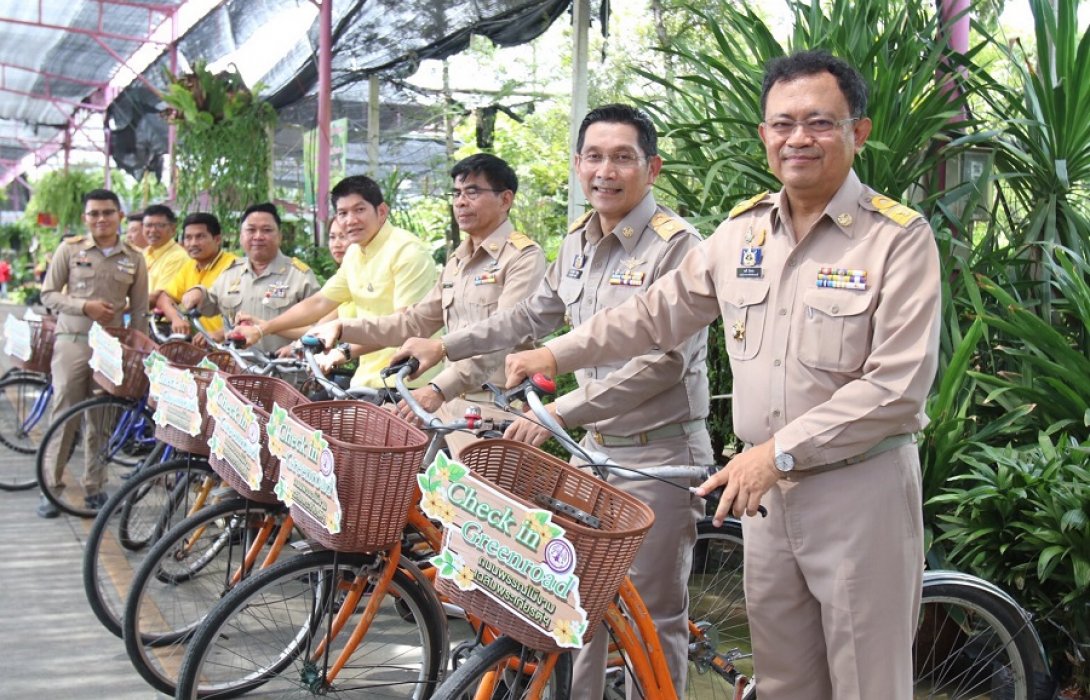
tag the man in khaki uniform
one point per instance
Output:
(91, 278)
(263, 284)
(829, 294)
(642, 411)
(494, 268)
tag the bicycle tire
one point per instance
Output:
(717, 607)
(24, 405)
(972, 642)
(108, 566)
(62, 483)
(243, 644)
(506, 656)
(181, 579)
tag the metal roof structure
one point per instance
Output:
(64, 64)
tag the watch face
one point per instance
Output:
(785, 462)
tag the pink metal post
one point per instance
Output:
(325, 107)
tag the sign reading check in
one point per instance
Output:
(511, 552)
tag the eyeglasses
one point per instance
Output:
(100, 213)
(158, 225)
(471, 193)
(814, 125)
(621, 161)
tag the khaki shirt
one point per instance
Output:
(79, 272)
(597, 270)
(833, 341)
(474, 284)
(285, 282)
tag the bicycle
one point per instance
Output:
(267, 629)
(974, 640)
(25, 395)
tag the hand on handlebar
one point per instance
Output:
(747, 477)
(180, 325)
(426, 397)
(248, 331)
(530, 431)
(329, 333)
(521, 365)
(192, 299)
(428, 351)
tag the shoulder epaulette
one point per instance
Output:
(520, 240)
(75, 240)
(300, 265)
(580, 222)
(743, 207)
(666, 226)
(892, 209)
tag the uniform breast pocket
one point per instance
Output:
(836, 329)
(744, 312)
(81, 281)
(448, 296)
(569, 291)
(124, 277)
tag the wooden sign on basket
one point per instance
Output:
(236, 438)
(307, 477)
(106, 355)
(513, 553)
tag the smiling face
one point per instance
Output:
(102, 217)
(478, 208)
(360, 219)
(159, 230)
(199, 242)
(260, 237)
(811, 165)
(614, 172)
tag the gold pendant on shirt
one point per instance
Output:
(738, 330)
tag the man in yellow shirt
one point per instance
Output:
(163, 255)
(389, 269)
(201, 235)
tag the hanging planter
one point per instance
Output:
(222, 155)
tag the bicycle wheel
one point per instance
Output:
(719, 628)
(972, 643)
(155, 496)
(24, 404)
(182, 578)
(267, 630)
(94, 444)
(505, 669)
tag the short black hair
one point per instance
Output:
(622, 114)
(496, 170)
(101, 195)
(161, 210)
(135, 216)
(808, 63)
(264, 208)
(357, 184)
(202, 217)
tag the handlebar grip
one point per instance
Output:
(411, 362)
(715, 495)
(236, 340)
(312, 341)
(192, 313)
(542, 384)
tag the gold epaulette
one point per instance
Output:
(520, 240)
(75, 240)
(300, 265)
(666, 226)
(743, 207)
(580, 222)
(892, 209)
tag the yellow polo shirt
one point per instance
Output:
(164, 263)
(190, 276)
(393, 271)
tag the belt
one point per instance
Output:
(889, 443)
(69, 334)
(666, 431)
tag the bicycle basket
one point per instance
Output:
(135, 346)
(224, 361)
(603, 555)
(377, 456)
(261, 393)
(182, 353)
(41, 346)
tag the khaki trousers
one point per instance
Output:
(72, 383)
(833, 578)
(661, 568)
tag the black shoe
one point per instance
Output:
(46, 509)
(95, 501)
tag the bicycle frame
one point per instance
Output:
(37, 411)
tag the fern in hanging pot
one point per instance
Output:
(223, 150)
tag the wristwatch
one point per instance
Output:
(346, 350)
(785, 461)
(435, 387)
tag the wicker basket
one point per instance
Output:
(602, 555)
(182, 353)
(135, 346)
(261, 393)
(377, 456)
(41, 346)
